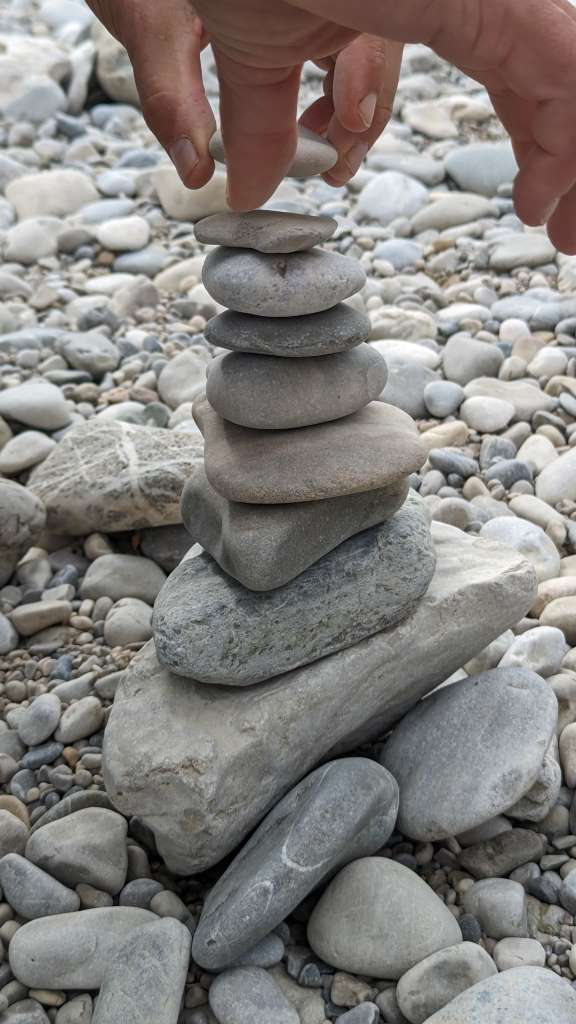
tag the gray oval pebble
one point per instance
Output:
(267, 231)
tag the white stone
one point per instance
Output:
(188, 204)
(56, 193)
(124, 234)
(542, 649)
(557, 481)
(390, 195)
(529, 540)
(487, 415)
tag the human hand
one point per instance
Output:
(164, 44)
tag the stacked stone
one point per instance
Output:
(312, 540)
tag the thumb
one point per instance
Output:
(164, 49)
(258, 108)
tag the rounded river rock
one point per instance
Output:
(333, 330)
(265, 230)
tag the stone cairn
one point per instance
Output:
(312, 540)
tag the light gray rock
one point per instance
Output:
(73, 951)
(124, 234)
(248, 995)
(32, 240)
(377, 447)
(525, 397)
(40, 720)
(465, 359)
(350, 929)
(499, 856)
(266, 546)
(390, 195)
(482, 166)
(55, 193)
(24, 451)
(82, 718)
(478, 590)
(88, 846)
(76, 1011)
(35, 403)
(314, 155)
(442, 398)
(183, 377)
(557, 481)
(543, 794)
(282, 285)
(271, 393)
(128, 622)
(147, 979)
(32, 892)
(118, 576)
(450, 780)
(524, 994)
(113, 67)
(541, 649)
(343, 810)
(440, 978)
(22, 519)
(499, 904)
(334, 330)
(187, 204)
(8, 636)
(450, 210)
(208, 626)
(115, 476)
(487, 415)
(529, 540)
(527, 249)
(406, 384)
(511, 953)
(265, 230)
(92, 352)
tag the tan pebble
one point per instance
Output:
(46, 998)
(15, 807)
(71, 756)
(568, 566)
(8, 930)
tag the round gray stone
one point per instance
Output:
(439, 978)
(443, 397)
(265, 230)
(294, 284)
(209, 627)
(92, 352)
(333, 330)
(271, 393)
(499, 904)
(32, 892)
(470, 751)
(521, 994)
(40, 720)
(341, 811)
(88, 846)
(379, 919)
(314, 155)
(248, 995)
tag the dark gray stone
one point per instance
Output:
(343, 810)
(32, 892)
(294, 284)
(208, 626)
(499, 856)
(334, 330)
(509, 471)
(450, 460)
(139, 892)
(266, 546)
(470, 751)
(271, 393)
(166, 545)
(88, 846)
(147, 978)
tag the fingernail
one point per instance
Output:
(545, 216)
(355, 156)
(184, 157)
(367, 108)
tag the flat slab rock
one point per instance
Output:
(265, 230)
(271, 393)
(266, 546)
(344, 810)
(115, 476)
(470, 751)
(293, 284)
(228, 762)
(314, 155)
(526, 994)
(333, 330)
(376, 447)
(208, 626)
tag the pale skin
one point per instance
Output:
(522, 51)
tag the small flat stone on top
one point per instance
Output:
(376, 447)
(314, 155)
(320, 334)
(266, 231)
(290, 284)
(271, 393)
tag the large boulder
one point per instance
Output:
(229, 761)
(115, 476)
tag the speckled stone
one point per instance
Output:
(343, 810)
(208, 626)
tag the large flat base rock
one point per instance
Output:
(231, 754)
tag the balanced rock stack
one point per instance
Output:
(311, 539)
